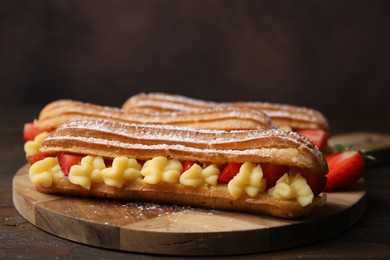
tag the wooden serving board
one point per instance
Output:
(174, 230)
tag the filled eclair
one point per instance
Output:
(263, 171)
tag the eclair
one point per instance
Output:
(225, 118)
(306, 121)
(261, 171)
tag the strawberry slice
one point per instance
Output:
(37, 157)
(187, 165)
(318, 137)
(316, 182)
(273, 172)
(30, 131)
(67, 160)
(229, 172)
(345, 168)
(108, 161)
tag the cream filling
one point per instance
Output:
(32, 147)
(249, 181)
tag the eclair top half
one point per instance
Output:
(111, 139)
(224, 118)
(282, 115)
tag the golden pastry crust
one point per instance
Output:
(226, 118)
(297, 117)
(113, 139)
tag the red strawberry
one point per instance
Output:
(30, 131)
(318, 137)
(345, 168)
(108, 161)
(187, 165)
(273, 172)
(68, 160)
(316, 182)
(229, 172)
(37, 157)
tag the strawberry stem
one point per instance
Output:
(368, 158)
(339, 148)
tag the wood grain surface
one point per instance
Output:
(362, 140)
(174, 230)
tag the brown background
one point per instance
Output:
(330, 55)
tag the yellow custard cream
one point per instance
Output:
(42, 172)
(32, 147)
(249, 181)
(292, 187)
(196, 175)
(161, 169)
(89, 170)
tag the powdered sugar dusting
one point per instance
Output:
(182, 103)
(177, 133)
(261, 152)
(209, 145)
(62, 111)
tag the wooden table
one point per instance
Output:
(369, 237)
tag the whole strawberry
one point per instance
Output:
(345, 168)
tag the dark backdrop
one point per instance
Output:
(329, 55)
